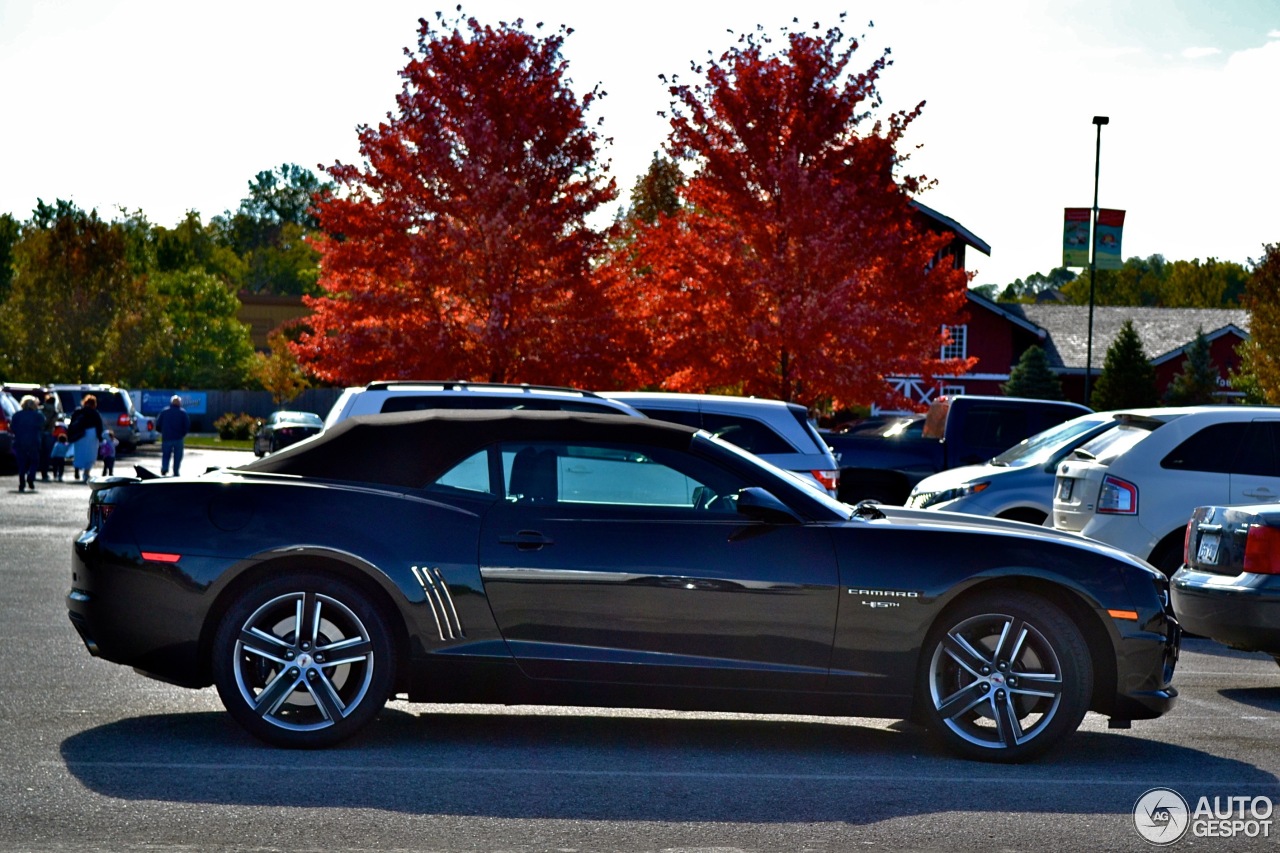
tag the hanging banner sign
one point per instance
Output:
(1107, 253)
(1075, 237)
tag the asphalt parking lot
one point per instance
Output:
(99, 758)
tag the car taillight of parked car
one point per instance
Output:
(830, 480)
(1118, 497)
(151, 425)
(124, 420)
(1262, 550)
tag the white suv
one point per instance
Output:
(1135, 486)
(379, 397)
(774, 430)
(115, 405)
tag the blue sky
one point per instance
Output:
(165, 107)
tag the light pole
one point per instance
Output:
(1098, 121)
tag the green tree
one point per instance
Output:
(1197, 383)
(1140, 282)
(1244, 378)
(657, 192)
(269, 232)
(278, 371)
(206, 345)
(1127, 379)
(193, 245)
(72, 280)
(1262, 351)
(1035, 284)
(1212, 284)
(10, 230)
(1031, 377)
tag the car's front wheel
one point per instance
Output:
(1004, 676)
(303, 660)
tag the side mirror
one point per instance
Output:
(760, 505)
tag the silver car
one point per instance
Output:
(776, 431)
(1017, 484)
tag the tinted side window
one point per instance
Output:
(615, 475)
(1212, 449)
(996, 427)
(1257, 456)
(750, 434)
(112, 403)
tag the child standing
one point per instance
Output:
(107, 452)
(62, 451)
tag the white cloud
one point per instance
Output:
(1200, 52)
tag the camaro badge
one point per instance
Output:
(887, 593)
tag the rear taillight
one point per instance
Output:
(1118, 497)
(98, 514)
(124, 420)
(1187, 536)
(151, 425)
(830, 480)
(1262, 550)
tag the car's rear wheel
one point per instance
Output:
(1004, 676)
(303, 660)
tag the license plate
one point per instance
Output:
(1064, 489)
(1208, 553)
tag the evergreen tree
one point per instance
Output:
(1031, 377)
(1127, 379)
(1197, 384)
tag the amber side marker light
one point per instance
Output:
(1123, 614)
(160, 557)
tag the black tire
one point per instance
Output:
(1004, 676)
(1167, 556)
(276, 667)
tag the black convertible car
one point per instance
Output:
(570, 559)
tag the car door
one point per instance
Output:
(631, 564)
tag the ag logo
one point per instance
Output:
(1161, 816)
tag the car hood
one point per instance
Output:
(963, 522)
(955, 477)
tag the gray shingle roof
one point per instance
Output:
(1164, 332)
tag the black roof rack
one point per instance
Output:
(460, 384)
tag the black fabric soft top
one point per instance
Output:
(414, 448)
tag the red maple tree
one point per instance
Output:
(795, 268)
(458, 248)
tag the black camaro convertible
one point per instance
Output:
(570, 559)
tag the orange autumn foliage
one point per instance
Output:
(796, 268)
(459, 248)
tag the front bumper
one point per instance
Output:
(1241, 611)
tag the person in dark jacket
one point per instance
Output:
(173, 424)
(27, 425)
(50, 412)
(85, 432)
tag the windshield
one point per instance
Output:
(1041, 447)
(1106, 447)
(811, 487)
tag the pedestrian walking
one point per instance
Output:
(85, 433)
(107, 453)
(26, 425)
(62, 451)
(173, 424)
(50, 412)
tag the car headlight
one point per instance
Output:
(924, 500)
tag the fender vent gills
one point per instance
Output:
(441, 603)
